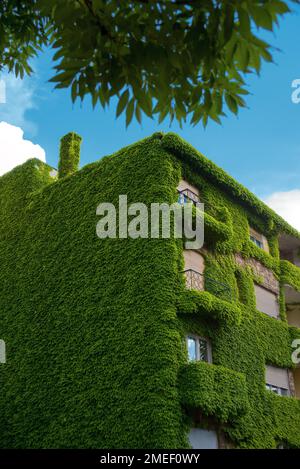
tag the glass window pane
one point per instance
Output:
(272, 388)
(185, 197)
(191, 343)
(203, 439)
(256, 241)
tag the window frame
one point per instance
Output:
(212, 432)
(263, 287)
(197, 339)
(184, 197)
(258, 239)
(277, 380)
(278, 390)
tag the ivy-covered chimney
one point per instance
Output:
(69, 154)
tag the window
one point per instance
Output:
(187, 196)
(277, 390)
(266, 301)
(203, 439)
(187, 193)
(198, 348)
(282, 445)
(289, 248)
(277, 380)
(259, 240)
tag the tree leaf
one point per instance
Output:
(74, 91)
(157, 51)
(231, 103)
(129, 112)
(122, 102)
(138, 114)
(244, 20)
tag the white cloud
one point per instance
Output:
(19, 98)
(14, 150)
(286, 204)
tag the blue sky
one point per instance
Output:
(260, 148)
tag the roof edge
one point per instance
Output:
(186, 152)
(26, 163)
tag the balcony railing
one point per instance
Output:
(186, 196)
(198, 281)
(194, 280)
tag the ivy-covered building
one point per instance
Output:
(139, 343)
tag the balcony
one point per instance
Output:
(185, 196)
(292, 300)
(215, 304)
(215, 390)
(188, 196)
(290, 275)
(217, 220)
(290, 279)
(194, 280)
(187, 193)
(289, 247)
(198, 281)
(296, 376)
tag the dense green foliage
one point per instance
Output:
(208, 306)
(217, 391)
(69, 155)
(95, 329)
(90, 325)
(290, 274)
(245, 346)
(173, 58)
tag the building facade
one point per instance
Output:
(141, 343)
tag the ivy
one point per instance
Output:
(95, 328)
(217, 391)
(290, 274)
(69, 154)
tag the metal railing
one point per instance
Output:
(187, 194)
(190, 196)
(194, 280)
(198, 281)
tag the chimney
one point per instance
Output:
(69, 154)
